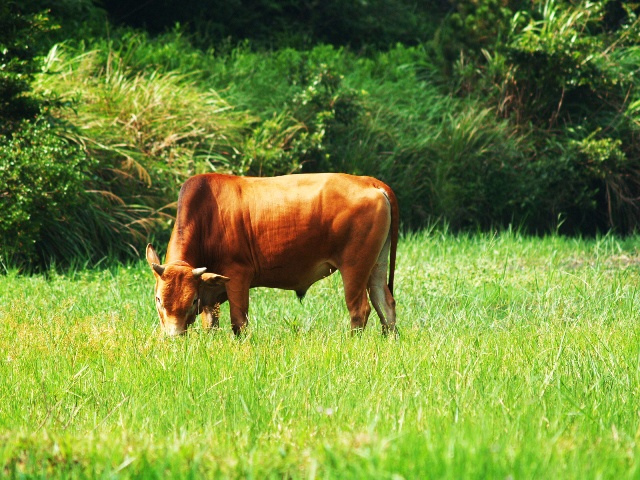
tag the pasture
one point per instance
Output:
(518, 358)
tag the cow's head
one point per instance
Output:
(179, 289)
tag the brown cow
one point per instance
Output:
(283, 232)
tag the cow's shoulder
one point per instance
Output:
(207, 186)
(208, 180)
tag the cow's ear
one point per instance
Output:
(211, 279)
(152, 256)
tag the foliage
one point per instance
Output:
(73, 19)
(562, 74)
(42, 180)
(145, 134)
(21, 35)
(513, 112)
(329, 110)
(276, 146)
(561, 60)
(472, 28)
(566, 77)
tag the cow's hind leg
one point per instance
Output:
(381, 298)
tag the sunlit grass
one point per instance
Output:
(518, 357)
(141, 119)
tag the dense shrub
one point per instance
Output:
(69, 19)
(573, 79)
(42, 179)
(57, 205)
(564, 74)
(146, 132)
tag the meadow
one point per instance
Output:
(518, 357)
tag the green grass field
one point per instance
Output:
(518, 358)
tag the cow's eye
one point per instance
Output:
(158, 301)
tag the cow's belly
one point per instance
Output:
(295, 276)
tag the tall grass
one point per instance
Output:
(145, 133)
(518, 357)
(447, 157)
(142, 120)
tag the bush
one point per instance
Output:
(570, 77)
(146, 132)
(564, 74)
(42, 179)
(328, 109)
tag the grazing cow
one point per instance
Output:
(235, 233)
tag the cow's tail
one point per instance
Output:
(393, 233)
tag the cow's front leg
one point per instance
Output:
(210, 300)
(238, 294)
(211, 316)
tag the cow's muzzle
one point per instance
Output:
(173, 330)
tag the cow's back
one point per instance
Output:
(288, 231)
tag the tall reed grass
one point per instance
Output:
(146, 133)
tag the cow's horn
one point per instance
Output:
(158, 268)
(197, 272)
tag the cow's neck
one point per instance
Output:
(187, 245)
(179, 253)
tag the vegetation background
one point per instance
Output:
(480, 114)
